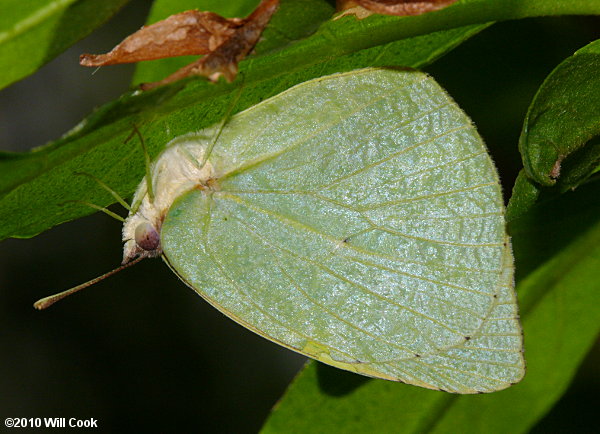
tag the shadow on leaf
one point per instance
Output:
(336, 382)
(551, 225)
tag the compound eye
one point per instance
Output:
(146, 236)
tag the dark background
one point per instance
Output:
(142, 351)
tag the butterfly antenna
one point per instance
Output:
(113, 193)
(136, 131)
(224, 121)
(50, 300)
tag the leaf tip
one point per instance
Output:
(89, 59)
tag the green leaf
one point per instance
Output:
(560, 132)
(525, 195)
(564, 117)
(33, 32)
(557, 295)
(37, 186)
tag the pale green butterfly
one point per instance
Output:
(356, 219)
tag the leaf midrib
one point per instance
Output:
(34, 19)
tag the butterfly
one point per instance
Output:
(357, 219)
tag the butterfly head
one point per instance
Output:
(142, 238)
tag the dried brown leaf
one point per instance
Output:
(224, 42)
(364, 8)
(224, 59)
(183, 34)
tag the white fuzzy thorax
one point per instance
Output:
(174, 172)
